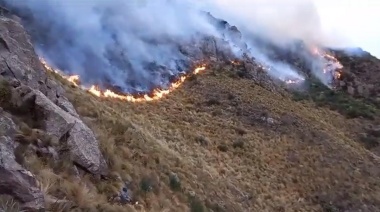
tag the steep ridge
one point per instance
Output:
(230, 139)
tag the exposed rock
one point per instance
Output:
(66, 105)
(81, 140)
(19, 64)
(7, 126)
(18, 56)
(16, 181)
(351, 90)
(125, 195)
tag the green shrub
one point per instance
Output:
(223, 147)
(146, 184)
(238, 144)
(337, 100)
(5, 94)
(196, 205)
(174, 182)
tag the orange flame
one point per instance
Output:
(336, 71)
(96, 91)
(295, 81)
(73, 79)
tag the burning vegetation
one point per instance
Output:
(156, 94)
(332, 70)
(332, 67)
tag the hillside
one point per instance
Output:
(222, 141)
(239, 146)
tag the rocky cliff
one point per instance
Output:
(38, 103)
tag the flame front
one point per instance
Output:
(96, 91)
(332, 67)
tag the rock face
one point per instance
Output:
(81, 140)
(14, 179)
(33, 93)
(7, 127)
(17, 57)
(63, 126)
(20, 66)
(361, 74)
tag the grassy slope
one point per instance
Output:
(308, 162)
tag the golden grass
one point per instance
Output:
(8, 204)
(301, 164)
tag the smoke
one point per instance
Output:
(134, 44)
(352, 21)
(331, 23)
(129, 43)
(281, 21)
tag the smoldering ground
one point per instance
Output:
(135, 45)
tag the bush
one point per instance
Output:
(238, 144)
(146, 184)
(196, 205)
(338, 101)
(174, 182)
(5, 94)
(223, 148)
(369, 141)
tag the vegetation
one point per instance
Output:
(232, 157)
(5, 94)
(8, 204)
(337, 100)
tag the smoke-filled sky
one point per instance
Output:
(338, 23)
(356, 20)
(117, 40)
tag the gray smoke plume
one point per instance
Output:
(119, 41)
(137, 45)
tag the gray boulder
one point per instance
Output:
(18, 59)
(81, 140)
(7, 126)
(16, 181)
(19, 64)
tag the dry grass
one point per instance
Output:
(211, 134)
(8, 204)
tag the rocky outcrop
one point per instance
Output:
(14, 179)
(20, 64)
(360, 76)
(81, 140)
(34, 92)
(18, 59)
(7, 126)
(63, 126)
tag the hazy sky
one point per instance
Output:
(356, 20)
(333, 22)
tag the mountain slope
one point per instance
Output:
(228, 139)
(238, 145)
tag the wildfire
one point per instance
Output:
(73, 79)
(294, 81)
(96, 91)
(332, 67)
(235, 62)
